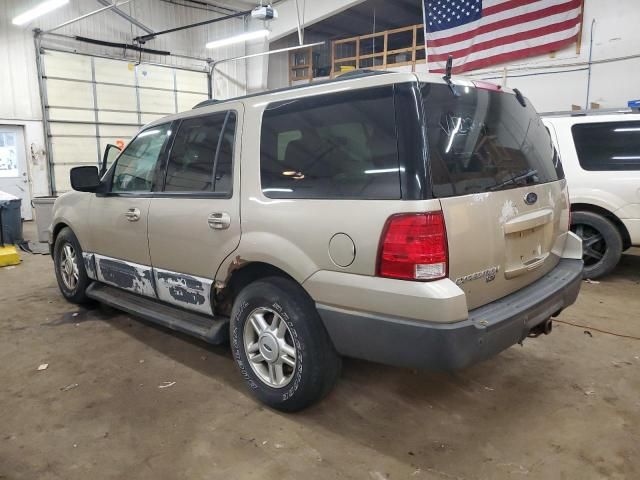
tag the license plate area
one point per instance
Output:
(526, 250)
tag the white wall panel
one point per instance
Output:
(186, 101)
(67, 65)
(74, 150)
(118, 131)
(63, 93)
(150, 117)
(191, 81)
(61, 173)
(72, 129)
(117, 117)
(70, 115)
(112, 97)
(157, 101)
(155, 77)
(114, 71)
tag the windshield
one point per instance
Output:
(484, 141)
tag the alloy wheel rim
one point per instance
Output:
(69, 267)
(269, 347)
(594, 246)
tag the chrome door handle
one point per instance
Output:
(133, 214)
(219, 220)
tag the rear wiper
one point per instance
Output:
(524, 176)
(447, 77)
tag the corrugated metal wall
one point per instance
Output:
(19, 97)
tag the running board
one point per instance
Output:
(209, 329)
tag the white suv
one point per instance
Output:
(600, 154)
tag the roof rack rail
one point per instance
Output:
(588, 112)
(344, 76)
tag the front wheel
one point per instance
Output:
(601, 243)
(69, 265)
(281, 346)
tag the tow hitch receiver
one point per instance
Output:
(544, 327)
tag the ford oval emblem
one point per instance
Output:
(530, 198)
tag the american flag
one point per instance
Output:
(480, 33)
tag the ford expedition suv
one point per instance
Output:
(392, 217)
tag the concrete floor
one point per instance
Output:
(562, 406)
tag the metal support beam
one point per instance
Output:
(215, 64)
(127, 17)
(151, 36)
(86, 15)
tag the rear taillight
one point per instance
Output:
(414, 247)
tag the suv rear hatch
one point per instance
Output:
(501, 187)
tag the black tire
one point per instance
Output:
(601, 243)
(317, 364)
(75, 294)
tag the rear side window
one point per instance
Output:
(201, 155)
(608, 146)
(331, 146)
(485, 140)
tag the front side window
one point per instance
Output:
(135, 168)
(201, 157)
(608, 146)
(331, 146)
(484, 141)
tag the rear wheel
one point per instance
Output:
(69, 265)
(281, 346)
(601, 243)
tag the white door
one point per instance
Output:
(13, 167)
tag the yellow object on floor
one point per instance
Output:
(9, 256)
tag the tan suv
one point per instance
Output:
(393, 217)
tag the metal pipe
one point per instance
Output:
(243, 57)
(586, 104)
(151, 36)
(127, 17)
(300, 32)
(86, 15)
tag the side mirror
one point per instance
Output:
(85, 179)
(111, 152)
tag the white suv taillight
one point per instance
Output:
(414, 247)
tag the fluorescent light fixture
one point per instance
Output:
(243, 37)
(628, 157)
(631, 129)
(38, 11)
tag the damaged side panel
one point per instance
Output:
(183, 290)
(89, 265)
(129, 276)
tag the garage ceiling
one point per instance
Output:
(359, 20)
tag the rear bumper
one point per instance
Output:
(487, 331)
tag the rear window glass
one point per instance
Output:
(608, 146)
(484, 141)
(331, 146)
